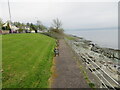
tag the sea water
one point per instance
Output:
(104, 38)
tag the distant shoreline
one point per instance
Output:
(104, 38)
(78, 37)
(88, 44)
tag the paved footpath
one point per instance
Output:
(67, 71)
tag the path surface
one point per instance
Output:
(68, 74)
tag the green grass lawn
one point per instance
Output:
(26, 60)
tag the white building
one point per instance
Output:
(13, 28)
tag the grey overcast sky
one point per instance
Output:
(74, 14)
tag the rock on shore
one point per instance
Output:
(106, 58)
(109, 52)
(87, 48)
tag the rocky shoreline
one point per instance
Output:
(109, 52)
(101, 61)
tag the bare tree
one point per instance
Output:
(39, 22)
(40, 26)
(57, 23)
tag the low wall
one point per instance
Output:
(4, 31)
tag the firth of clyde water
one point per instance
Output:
(104, 38)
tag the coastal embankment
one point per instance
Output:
(102, 62)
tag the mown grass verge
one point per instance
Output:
(26, 60)
(70, 37)
(91, 84)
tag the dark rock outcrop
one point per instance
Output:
(110, 53)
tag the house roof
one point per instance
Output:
(5, 24)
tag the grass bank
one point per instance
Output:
(27, 59)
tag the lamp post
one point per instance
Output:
(9, 16)
(9, 11)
